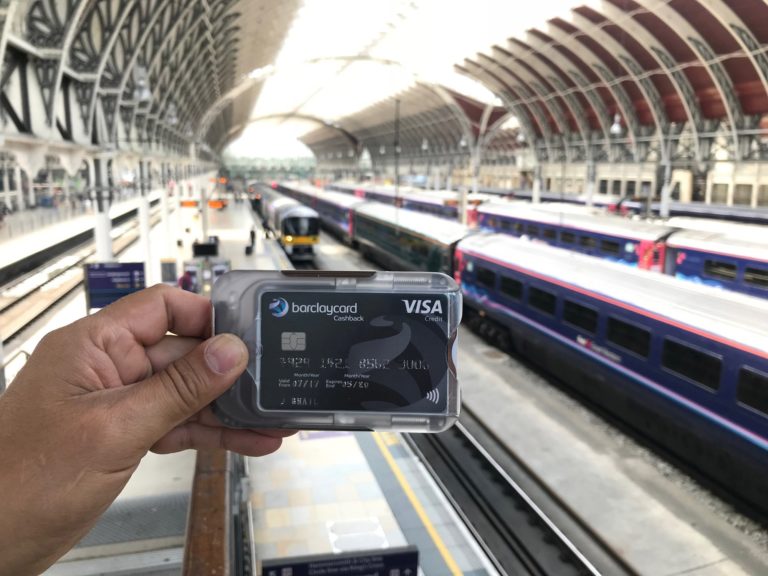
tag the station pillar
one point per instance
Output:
(6, 184)
(536, 193)
(166, 179)
(102, 199)
(145, 185)
(204, 212)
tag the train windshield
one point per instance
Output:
(300, 226)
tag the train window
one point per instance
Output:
(720, 269)
(486, 277)
(511, 288)
(587, 242)
(518, 228)
(506, 226)
(756, 276)
(580, 316)
(752, 389)
(550, 234)
(610, 247)
(542, 300)
(568, 237)
(630, 337)
(691, 363)
(533, 230)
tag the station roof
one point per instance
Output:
(199, 71)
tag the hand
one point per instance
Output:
(92, 400)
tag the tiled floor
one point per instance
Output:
(327, 492)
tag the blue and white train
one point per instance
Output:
(685, 364)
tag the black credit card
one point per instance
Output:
(353, 351)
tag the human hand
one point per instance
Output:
(92, 400)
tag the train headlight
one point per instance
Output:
(289, 238)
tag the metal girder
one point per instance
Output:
(547, 74)
(720, 78)
(527, 84)
(499, 88)
(566, 66)
(591, 59)
(665, 61)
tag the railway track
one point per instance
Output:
(26, 300)
(523, 527)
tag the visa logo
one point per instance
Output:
(423, 306)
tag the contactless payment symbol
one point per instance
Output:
(293, 341)
(278, 307)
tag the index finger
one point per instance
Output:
(151, 313)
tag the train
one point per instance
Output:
(684, 363)
(726, 255)
(295, 225)
(721, 254)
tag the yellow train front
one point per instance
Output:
(296, 226)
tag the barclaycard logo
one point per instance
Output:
(423, 306)
(278, 307)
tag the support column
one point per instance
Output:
(17, 182)
(144, 188)
(536, 194)
(102, 199)
(590, 183)
(166, 207)
(666, 189)
(6, 184)
(204, 212)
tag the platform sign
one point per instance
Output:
(110, 281)
(403, 561)
(219, 268)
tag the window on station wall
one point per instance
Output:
(629, 337)
(742, 194)
(691, 363)
(719, 269)
(645, 188)
(580, 316)
(719, 193)
(578, 186)
(486, 277)
(631, 188)
(603, 187)
(752, 389)
(762, 195)
(616, 187)
(756, 276)
(542, 300)
(511, 288)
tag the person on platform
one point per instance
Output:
(93, 399)
(186, 282)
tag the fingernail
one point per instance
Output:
(223, 353)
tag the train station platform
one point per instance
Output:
(35, 233)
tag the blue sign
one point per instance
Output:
(105, 283)
(402, 561)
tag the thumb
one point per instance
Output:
(188, 384)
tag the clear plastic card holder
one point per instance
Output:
(341, 350)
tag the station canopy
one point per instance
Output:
(553, 72)
(336, 73)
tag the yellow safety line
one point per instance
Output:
(447, 557)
